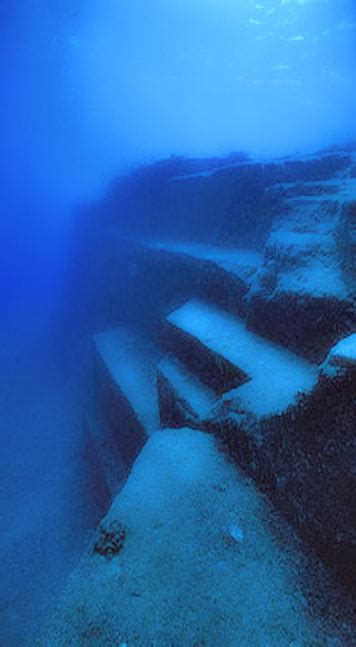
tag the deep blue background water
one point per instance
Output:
(89, 89)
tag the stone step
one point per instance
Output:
(126, 394)
(289, 455)
(224, 274)
(221, 275)
(239, 262)
(313, 189)
(183, 399)
(302, 296)
(225, 354)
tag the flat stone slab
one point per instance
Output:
(240, 262)
(343, 354)
(125, 388)
(187, 555)
(131, 360)
(182, 396)
(274, 376)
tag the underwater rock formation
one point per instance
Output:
(224, 293)
(303, 457)
(300, 296)
(200, 563)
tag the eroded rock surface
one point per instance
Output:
(302, 296)
(204, 561)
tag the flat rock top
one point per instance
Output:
(277, 375)
(193, 391)
(195, 561)
(234, 260)
(344, 352)
(131, 360)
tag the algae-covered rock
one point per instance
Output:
(109, 539)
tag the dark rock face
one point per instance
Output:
(317, 480)
(219, 374)
(318, 168)
(174, 413)
(346, 240)
(118, 416)
(225, 205)
(305, 460)
(231, 203)
(301, 295)
(309, 326)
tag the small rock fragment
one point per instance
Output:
(234, 533)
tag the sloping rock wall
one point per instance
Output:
(304, 458)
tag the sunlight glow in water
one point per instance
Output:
(205, 78)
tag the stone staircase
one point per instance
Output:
(227, 355)
(125, 388)
(203, 367)
(301, 295)
(204, 355)
(184, 400)
(234, 346)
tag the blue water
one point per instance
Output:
(90, 89)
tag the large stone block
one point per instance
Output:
(191, 554)
(305, 456)
(300, 296)
(125, 388)
(184, 401)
